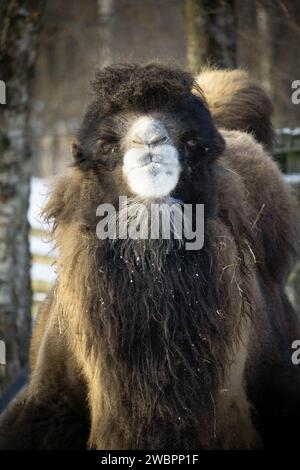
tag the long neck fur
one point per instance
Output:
(161, 329)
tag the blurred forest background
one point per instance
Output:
(48, 50)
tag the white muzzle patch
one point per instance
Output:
(151, 163)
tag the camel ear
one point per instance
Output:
(77, 152)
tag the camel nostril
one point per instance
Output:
(159, 140)
(155, 140)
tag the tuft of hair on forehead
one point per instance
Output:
(127, 86)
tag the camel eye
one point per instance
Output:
(105, 147)
(104, 150)
(192, 143)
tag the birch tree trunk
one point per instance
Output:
(106, 24)
(210, 33)
(20, 22)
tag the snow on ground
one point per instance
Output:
(292, 178)
(40, 241)
(43, 272)
(288, 131)
(42, 245)
(38, 196)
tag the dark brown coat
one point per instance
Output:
(184, 350)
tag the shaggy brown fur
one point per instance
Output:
(238, 103)
(144, 344)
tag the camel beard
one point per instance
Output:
(171, 223)
(163, 339)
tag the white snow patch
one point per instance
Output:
(40, 245)
(43, 272)
(292, 178)
(288, 131)
(39, 192)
